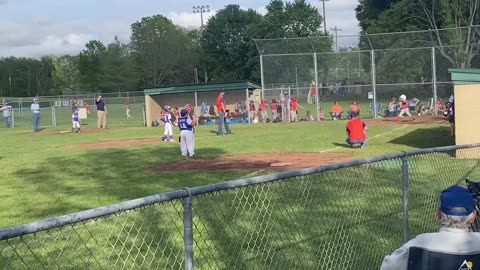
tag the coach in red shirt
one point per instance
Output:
(356, 131)
(222, 116)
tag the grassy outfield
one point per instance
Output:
(42, 179)
(313, 222)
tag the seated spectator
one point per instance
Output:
(321, 115)
(337, 111)
(456, 214)
(423, 110)
(356, 131)
(308, 117)
(354, 109)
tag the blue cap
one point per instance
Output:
(183, 112)
(456, 201)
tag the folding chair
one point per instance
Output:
(423, 259)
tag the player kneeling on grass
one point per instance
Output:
(187, 139)
(356, 131)
(75, 121)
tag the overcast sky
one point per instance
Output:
(33, 28)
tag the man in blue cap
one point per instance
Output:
(456, 214)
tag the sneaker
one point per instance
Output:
(172, 140)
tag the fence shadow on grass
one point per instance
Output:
(426, 138)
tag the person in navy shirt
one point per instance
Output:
(187, 139)
(101, 113)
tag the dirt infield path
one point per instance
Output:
(272, 161)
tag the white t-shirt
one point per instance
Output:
(454, 241)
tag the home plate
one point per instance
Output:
(280, 164)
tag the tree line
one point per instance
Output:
(162, 53)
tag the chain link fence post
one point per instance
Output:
(188, 230)
(405, 189)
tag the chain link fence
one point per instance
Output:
(369, 69)
(343, 216)
(60, 110)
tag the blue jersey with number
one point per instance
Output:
(185, 124)
(75, 117)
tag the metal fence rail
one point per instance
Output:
(343, 216)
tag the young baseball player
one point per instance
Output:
(75, 121)
(264, 107)
(274, 107)
(167, 119)
(127, 109)
(187, 139)
(293, 110)
(404, 108)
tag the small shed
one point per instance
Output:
(467, 106)
(198, 94)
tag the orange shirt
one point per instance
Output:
(354, 108)
(337, 109)
(356, 128)
(220, 103)
(313, 90)
(274, 106)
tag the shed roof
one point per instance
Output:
(207, 87)
(465, 76)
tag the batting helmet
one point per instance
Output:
(183, 112)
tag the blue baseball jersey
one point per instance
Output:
(75, 117)
(185, 124)
(167, 118)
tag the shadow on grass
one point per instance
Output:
(426, 138)
(344, 145)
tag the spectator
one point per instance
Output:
(263, 110)
(356, 131)
(35, 108)
(251, 111)
(222, 117)
(101, 113)
(7, 114)
(188, 107)
(355, 109)
(392, 107)
(456, 214)
(321, 115)
(423, 110)
(308, 117)
(313, 93)
(337, 111)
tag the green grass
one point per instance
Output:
(308, 222)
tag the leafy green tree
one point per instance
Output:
(163, 51)
(66, 74)
(227, 44)
(90, 65)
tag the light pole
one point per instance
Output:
(201, 10)
(324, 17)
(336, 30)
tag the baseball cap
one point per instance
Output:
(183, 112)
(456, 201)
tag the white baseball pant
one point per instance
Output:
(405, 111)
(187, 143)
(76, 124)
(168, 129)
(293, 116)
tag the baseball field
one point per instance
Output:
(56, 172)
